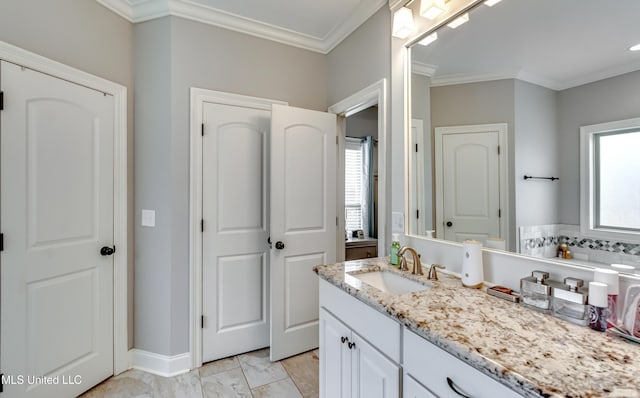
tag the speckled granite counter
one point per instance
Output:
(534, 354)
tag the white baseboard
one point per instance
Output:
(158, 364)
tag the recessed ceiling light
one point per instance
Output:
(429, 39)
(402, 23)
(431, 9)
(459, 21)
(492, 3)
(635, 48)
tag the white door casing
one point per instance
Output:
(303, 219)
(471, 179)
(235, 268)
(418, 211)
(57, 178)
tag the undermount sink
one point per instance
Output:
(389, 282)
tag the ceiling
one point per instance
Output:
(553, 43)
(311, 24)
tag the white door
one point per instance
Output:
(469, 172)
(303, 222)
(235, 254)
(57, 214)
(412, 389)
(373, 375)
(335, 357)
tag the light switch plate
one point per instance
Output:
(397, 222)
(148, 218)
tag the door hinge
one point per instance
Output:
(499, 213)
(1, 108)
(336, 221)
(416, 147)
(202, 129)
(202, 322)
(1, 382)
(1, 242)
(202, 225)
(498, 149)
(417, 213)
(336, 140)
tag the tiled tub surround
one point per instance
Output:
(543, 241)
(534, 354)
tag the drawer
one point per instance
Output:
(431, 366)
(378, 329)
(355, 253)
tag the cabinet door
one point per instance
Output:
(413, 389)
(335, 357)
(374, 376)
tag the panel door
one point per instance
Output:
(236, 216)
(335, 357)
(374, 376)
(57, 213)
(303, 222)
(471, 186)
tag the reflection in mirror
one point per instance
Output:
(504, 95)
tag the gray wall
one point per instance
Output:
(363, 123)
(86, 36)
(537, 154)
(193, 55)
(607, 100)
(479, 103)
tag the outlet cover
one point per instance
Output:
(148, 218)
(397, 222)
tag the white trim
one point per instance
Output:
(145, 10)
(420, 68)
(587, 209)
(161, 365)
(28, 59)
(376, 93)
(199, 97)
(502, 129)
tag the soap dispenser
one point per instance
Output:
(393, 251)
(570, 302)
(535, 292)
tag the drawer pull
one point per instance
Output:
(455, 388)
(352, 345)
(344, 339)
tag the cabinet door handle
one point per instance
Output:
(455, 388)
(352, 345)
(344, 339)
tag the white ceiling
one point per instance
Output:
(311, 24)
(554, 43)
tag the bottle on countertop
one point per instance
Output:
(395, 248)
(610, 278)
(570, 302)
(598, 306)
(535, 292)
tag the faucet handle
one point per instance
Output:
(403, 264)
(433, 275)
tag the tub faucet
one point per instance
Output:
(417, 266)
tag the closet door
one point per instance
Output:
(303, 222)
(236, 216)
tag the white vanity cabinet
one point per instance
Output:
(443, 374)
(359, 360)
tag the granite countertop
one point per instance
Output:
(535, 354)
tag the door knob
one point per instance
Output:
(279, 245)
(449, 224)
(107, 251)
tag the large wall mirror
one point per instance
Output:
(496, 108)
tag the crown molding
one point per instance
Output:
(144, 10)
(420, 68)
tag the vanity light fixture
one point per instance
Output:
(429, 39)
(459, 21)
(491, 3)
(635, 48)
(403, 23)
(431, 9)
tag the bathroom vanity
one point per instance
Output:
(386, 337)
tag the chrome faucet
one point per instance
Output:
(417, 266)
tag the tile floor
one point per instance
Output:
(249, 375)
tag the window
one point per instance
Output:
(610, 180)
(353, 184)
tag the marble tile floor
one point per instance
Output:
(249, 375)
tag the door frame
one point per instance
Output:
(503, 161)
(199, 97)
(18, 56)
(375, 93)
